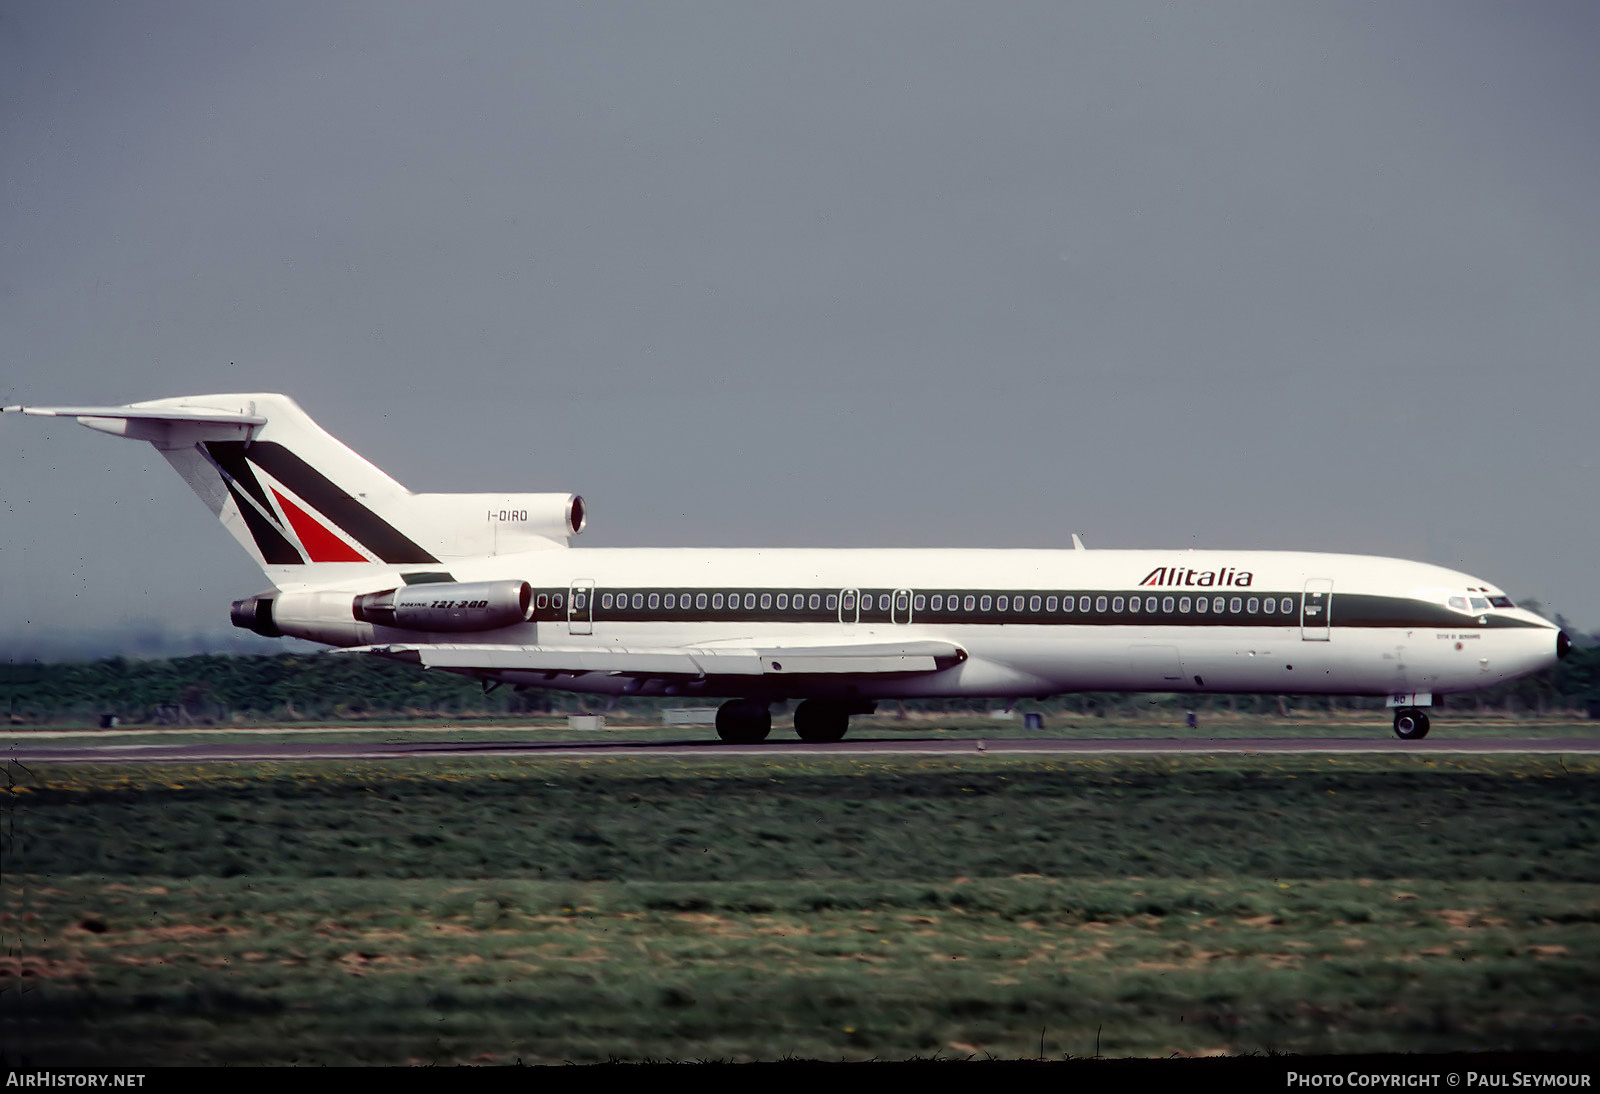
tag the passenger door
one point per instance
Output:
(849, 605)
(580, 606)
(1316, 610)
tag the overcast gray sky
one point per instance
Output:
(1319, 276)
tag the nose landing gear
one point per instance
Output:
(1410, 724)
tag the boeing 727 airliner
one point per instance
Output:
(485, 585)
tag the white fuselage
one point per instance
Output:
(1195, 621)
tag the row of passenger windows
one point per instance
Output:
(936, 602)
(719, 601)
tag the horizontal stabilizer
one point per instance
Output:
(875, 658)
(198, 415)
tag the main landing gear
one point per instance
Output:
(746, 721)
(743, 721)
(818, 721)
(1410, 724)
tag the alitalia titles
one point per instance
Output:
(1177, 575)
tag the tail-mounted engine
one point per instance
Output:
(476, 525)
(255, 614)
(448, 606)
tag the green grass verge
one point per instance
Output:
(459, 910)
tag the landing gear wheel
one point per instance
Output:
(743, 721)
(1410, 724)
(819, 722)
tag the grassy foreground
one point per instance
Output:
(491, 910)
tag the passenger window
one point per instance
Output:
(883, 602)
(749, 602)
(1001, 603)
(1216, 604)
(605, 601)
(816, 601)
(1236, 604)
(1268, 605)
(671, 601)
(1183, 604)
(1201, 604)
(1253, 606)
(1133, 603)
(970, 602)
(1099, 603)
(901, 601)
(1149, 603)
(638, 601)
(1050, 604)
(849, 602)
(1034, 603)
(542, 602)
(1116, 604)
(1287, 605)
(919, 602)
(766, 601)
(655, 601)
(1168, 603)
(985, 602)
(938, 602)
(716, 601)
(833, 602)
(783, 602)
(1083, 603)
(700, 600)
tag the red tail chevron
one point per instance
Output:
(321, 544)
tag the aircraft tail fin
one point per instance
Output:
(307, 508)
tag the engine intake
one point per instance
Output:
(448, 606)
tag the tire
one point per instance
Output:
(1410, 724)
(743, 722)
(820, 723)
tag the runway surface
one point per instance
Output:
(193, 752)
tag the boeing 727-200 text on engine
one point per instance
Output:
(485, 585)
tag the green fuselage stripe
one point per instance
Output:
(1104, 608)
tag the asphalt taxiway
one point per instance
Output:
(22, 750)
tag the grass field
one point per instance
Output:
(449, 910)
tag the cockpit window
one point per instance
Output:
(1459, 603)
(1480, 604)
(1501, 601)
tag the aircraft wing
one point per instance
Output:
(873, 658)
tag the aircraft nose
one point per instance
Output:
(1563, 645)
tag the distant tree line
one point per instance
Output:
(290, 687)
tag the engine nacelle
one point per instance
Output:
(448, 606)
(479, 525)
(255, 613)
